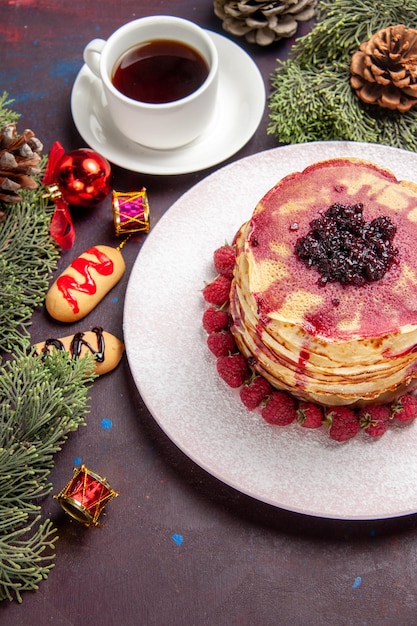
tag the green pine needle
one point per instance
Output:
(312, 99)
(7, 115)
(28, 256)
(41, 401)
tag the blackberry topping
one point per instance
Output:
(345, 248)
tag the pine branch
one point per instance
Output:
(343, 24)
(312, 99)
(41, 402)
(28, 256)
(24, 562)
(7, 115)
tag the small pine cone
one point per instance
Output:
(263, 22)
(384, 69)
(19, 161)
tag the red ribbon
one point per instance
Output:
(61, 228)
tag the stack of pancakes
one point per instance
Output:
(334, 344)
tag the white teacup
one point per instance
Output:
(162, 125)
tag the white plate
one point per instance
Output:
(240, 107)
(176, 375)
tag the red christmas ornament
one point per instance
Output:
(83, 177)
(80, 178)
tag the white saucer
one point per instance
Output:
(239, 111)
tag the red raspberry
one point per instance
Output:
(280, 409)
(224, 260)
(217, 292)
(222, 343)
(256, 390)
(233, 369)
(343, 423)
(374, 419)
(310, 415)
(215, 319)
(405, 408)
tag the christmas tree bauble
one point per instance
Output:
(83, 177)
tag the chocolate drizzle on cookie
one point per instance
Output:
(77, 343)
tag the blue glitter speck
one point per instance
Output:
(77, 460)
(357, 582)
(106, 423)
(178, 539)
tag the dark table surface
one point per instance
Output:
(238, 561)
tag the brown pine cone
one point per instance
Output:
(19, 161)
(384, 69)
(263, 22)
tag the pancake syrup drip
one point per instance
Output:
(345, 248)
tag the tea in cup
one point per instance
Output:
(159, 76)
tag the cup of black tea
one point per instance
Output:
(159, 77)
